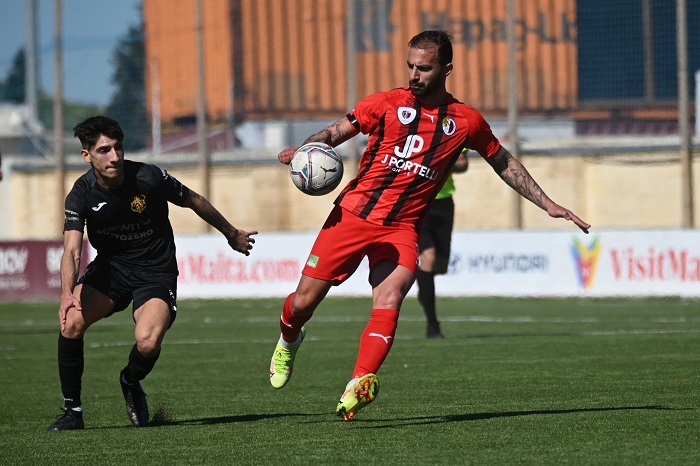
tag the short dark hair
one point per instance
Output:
(90, 130)
(429, 39)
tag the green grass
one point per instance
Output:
(531, 381)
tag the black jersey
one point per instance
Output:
(128, 226)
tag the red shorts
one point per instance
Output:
(346, 239)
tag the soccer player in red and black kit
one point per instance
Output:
(125, 207)
(416, 134)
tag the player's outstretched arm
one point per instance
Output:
(517, 177)
(239, 240)
(70, 266)
(333, 135)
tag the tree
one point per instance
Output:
(128, 103)
(12, 88)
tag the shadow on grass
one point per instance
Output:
(159, 420)
(400, 422)
(226, 419)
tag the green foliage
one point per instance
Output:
(12, 87)
(532, 381)
(128, 103)
(73, 113)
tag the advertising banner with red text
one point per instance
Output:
(509, 264)
(30, 270)
(210, 269)
(606, 263)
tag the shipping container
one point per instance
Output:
(271, 59)
(591, 60)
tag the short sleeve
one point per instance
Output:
(74, 210)
(367, 113)
(175, 191)
(481, 138)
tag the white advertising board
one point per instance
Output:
(210, 269)
(607, 263)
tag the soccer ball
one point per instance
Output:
(316, 169)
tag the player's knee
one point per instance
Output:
(302, 304)
(75, 325)
(148, 341)
(389, 299)
(148, 347)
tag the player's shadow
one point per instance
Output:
(400, 422)
(393, 422)
(226, 419)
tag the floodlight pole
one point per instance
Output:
(58, 115)
(30, 67)
(351, 65)
(514, 146)
(156, 147)
(202, 110)
(686, 154)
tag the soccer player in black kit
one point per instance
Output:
(125, 207)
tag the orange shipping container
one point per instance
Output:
(272, 59)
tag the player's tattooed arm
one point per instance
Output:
(517, 177)
(334, 134)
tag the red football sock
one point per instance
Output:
(290, 325)
(376, 341)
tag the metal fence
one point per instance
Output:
(594, 67)
(551, 76)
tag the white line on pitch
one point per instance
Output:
(638, 332)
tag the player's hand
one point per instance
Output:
(67, 301)
(287, 155)
(558, 211)
(243, 241)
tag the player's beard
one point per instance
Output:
(425, 90)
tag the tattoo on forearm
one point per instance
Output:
(337, 129)
(332, 135)
(321, 136)
(523, 183)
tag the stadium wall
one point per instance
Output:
(619, 191)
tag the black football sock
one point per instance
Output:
(71, 361)
(426, 295)
(139, 366)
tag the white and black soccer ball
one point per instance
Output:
(316, 169)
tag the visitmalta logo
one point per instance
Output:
(586, 260)
(138, 203)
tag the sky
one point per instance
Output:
(91, 31)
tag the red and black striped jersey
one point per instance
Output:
(410, 152)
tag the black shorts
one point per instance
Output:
(124, 286)
(437, 227)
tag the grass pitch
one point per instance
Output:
(527, 381)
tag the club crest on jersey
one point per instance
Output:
(449, 126)
(406, 114)
(138, 203)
